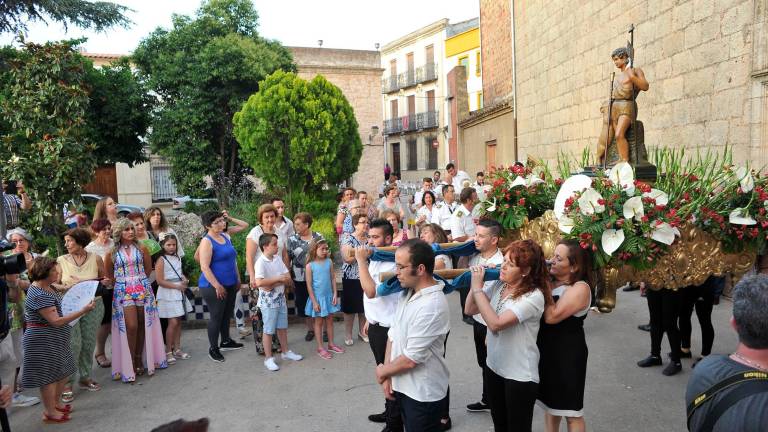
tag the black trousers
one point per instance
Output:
(377, 336)
(701, 298)
(221, 312)
(664, 308)
(419, 416)
(479, 332)
(463, 292)
(301, 294)
(511, 403)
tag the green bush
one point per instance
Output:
(199, 209)
(327, 227)
(189, 266)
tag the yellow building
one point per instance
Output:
(462, 48)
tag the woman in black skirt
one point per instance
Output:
(352, 292)
(563, 348)
(48, 361)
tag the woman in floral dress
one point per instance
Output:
(133, 345)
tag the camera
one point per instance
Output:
(11, 264)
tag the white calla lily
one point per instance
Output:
(519, 181)
(566, 224)
(570, 186)
(633, 208)
(612, 240)
(622, 174)
(741, 216)
(533, 180)
(664, 233)
(746, 181)
(589, 202)
(492, 207)
(661, 197)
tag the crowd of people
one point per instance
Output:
(527, 314)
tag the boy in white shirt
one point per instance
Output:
(271, 276)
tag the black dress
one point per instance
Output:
(562, 365)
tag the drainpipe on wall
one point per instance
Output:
(514, 83)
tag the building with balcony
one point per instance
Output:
(413, 98)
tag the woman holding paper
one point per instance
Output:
(48, 361)
(136, 334)
(79, 265)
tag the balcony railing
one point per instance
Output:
(425, 73)
(411, 123)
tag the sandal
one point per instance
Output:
(170, 358)
(181, 354)
(139, 371)
(363, 338)
(90, 385)
(66, 409)
(49, 419)
(335, 348)
(103, 364)
(322, 352)
(67, 396)
(349, 342)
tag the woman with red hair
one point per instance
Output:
(512, 309)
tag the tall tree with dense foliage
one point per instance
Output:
(46, 141)
(202, 71)
(14, 14)
(297, 134)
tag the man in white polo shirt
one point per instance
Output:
(489, 255)
(379, 311)
(441, 214)
(457, 177)
(414, 371)
(463, 219)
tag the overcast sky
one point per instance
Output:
(353, 24)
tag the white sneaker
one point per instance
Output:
(290, 355)
(19, 400)
(271, 365)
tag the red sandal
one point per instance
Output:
(66, 409)
(48, 419)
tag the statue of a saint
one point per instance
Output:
(622, 108)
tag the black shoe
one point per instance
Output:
(444, 426)
(651, 360)
(230, 345)
(478, 407)
(631, 287)
(325, 336)
(683, 354)
(468, 320)
(215, 355)
(378, 418)
(310, 335)
(644, 327)
(672, 368)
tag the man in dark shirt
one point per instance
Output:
(750, 320)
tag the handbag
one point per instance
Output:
(187, 295)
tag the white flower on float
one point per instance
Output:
(589, 202)
(612, 240)
(492, 207)
(518, 181)
(661, 197)
(623, 175)
(746, 181)
(566, 224)
(528, 181)
(664, 233)
(14, 159)
(741, 216)
(569, 187)
(633, 208)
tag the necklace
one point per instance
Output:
(749, 362)
(74, 259)
(502, 299)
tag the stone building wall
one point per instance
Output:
(358, 75)
(705, 60)
(496, 47)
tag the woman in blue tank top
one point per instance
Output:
(219, 283)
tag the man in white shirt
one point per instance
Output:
(479, 185)
(463, 220)
(442, 212)
(414, 371)
(379, 311)
(489, 255)
(456, 177)
(282, 223)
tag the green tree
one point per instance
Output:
(297, 134)
(14, 14)
(202, 71)
(46, 143)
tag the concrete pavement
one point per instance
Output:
(337, 395)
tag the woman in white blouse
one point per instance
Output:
(424, 213)
(512, 310)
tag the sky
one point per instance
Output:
(351, 24)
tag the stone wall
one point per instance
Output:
(496, 46)
(707, 72)
(358, 75)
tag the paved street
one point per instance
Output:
(336, 395)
